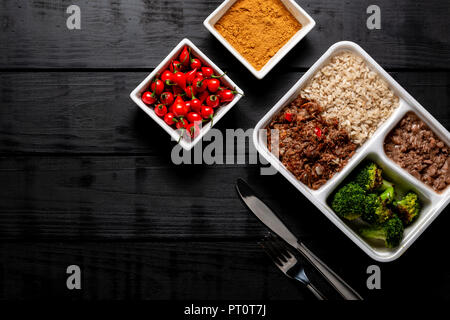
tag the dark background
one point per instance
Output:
(86, 176)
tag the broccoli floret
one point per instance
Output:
(408, 208)
(387, 191)
(391, 232)
(375, 211)
(348, 202)
(369, 178)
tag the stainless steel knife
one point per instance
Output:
(270, 219)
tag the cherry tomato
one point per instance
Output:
(160, 110)
(179, 108)
(168, 118)
(149, 97)
(193, 129)
(175, 66)
(157, 87)
(190, 92)
(166, 75)
(177, 90)
(207, 112)
(212, 101)
(200, 84)
(288, 116)
(180, 79)
(194, 117)
(226, 95)
(181, 123)
(213, 85)
(184, 57)
(166, 98)
(202, 96)
(195, 63)
(196, 105)
(199, 75)
(190, 76)
(207, 72)
(188, 104)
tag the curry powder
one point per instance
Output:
(257, 29)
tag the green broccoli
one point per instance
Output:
(348, 202)
(387, 191)
(391, 232)
(408, 208)
(375, 210)
(369, 178)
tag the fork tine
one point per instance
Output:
(273, 247)
(265, 244)
(281, 248)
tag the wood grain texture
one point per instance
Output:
(139, 34)
(91, 112)
(197, 270)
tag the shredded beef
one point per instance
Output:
(310, 146)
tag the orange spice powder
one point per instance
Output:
(257, 29)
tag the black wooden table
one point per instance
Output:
(87, 179)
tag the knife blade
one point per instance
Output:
(270, 219)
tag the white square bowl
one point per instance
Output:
(433, 202)
(225, 80)
(304, 18)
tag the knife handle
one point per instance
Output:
(333, 279)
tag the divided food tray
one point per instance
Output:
(432, 202)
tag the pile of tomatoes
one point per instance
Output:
(187, 94)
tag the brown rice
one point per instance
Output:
(351, 92)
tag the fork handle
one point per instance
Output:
(340, 285)
(316, 292)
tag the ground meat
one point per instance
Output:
(417, 149)
(310, 146)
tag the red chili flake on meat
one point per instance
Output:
(288, 116)
(318, 131)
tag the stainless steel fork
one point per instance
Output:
(288, 263)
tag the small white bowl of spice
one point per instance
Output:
(259, 33)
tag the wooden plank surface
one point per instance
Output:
(91, 112)
(139, 34)
(199, 270)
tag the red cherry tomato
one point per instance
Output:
(196, 105)
(188, 104)
(199, 75)
(226, 95)
(207, 72)
(179, 108)
(180, 79)
(207, 112)
(212, 101)
(200, 84)
(190, 76)
(195, 63)
(166, 75)
(166, 98)
(160, 110)
(148, 97)
(175, 66)
(202, 96)
(213, 85)
(194, 117)
(190, 92)
(193, 129)
(157, 87)
(168, 118)
(181, 123)
(184, 57)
